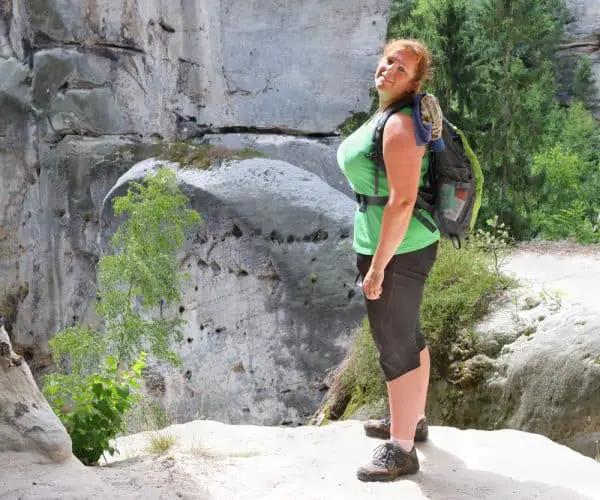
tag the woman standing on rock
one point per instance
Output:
(395, 252)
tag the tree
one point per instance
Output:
(99, 371)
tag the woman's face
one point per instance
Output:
(395, 75)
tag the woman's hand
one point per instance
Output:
(372, 284)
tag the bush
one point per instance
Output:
(94, 412)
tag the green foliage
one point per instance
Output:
(496, 78)
(93, 409)
(80, 345)
(572, 223)
(362, 376)
(99, 371)
(204, 156)
(583, 81)
(458, 292)
(144, 271)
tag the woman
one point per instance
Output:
(395, 253)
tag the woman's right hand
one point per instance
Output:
(373, 284)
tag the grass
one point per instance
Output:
(187, 154)
(159, 443)
(461, 287)
(203, 156)
(146, 415)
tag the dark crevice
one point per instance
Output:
(59, 135)
(203, 129)
(166, 27)
(42, 41)
(187, 61)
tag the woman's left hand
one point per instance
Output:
(372, 284)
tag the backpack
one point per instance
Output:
(453, 189)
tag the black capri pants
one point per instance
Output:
(394, 316)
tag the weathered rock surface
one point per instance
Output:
(27, 423)
(79, 80)
(315, 155)
(541, 366)
(148, 67)
(271, 302)
(583, 38)
(210, 460)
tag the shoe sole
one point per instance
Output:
(384, 478)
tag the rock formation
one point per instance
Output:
(27, 423)
(271, 302)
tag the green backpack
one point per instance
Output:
(453, 190)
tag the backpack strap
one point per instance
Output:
(376, 155)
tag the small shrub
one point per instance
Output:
(94, 412)
(98, 372)
(159, 443)
(458, 293)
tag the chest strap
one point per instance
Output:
(364, 201)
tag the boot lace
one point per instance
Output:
(386, 456)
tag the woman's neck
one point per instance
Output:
(386, 101)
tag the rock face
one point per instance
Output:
(79, 80)
(541, 367)
(27, 423)
(583, 38)
(138, 66)
(271, 303)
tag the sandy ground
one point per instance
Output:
(210, 460)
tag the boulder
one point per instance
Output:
(27, 423)
(271, 303)
(313, 154)
(540, 367)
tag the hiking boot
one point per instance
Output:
(389, 462)
(381, 429)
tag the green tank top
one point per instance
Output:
(360, 172)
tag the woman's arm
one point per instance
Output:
(402, 159)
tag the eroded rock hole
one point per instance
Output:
(316, 236)
(276, 236)
(236, 231)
